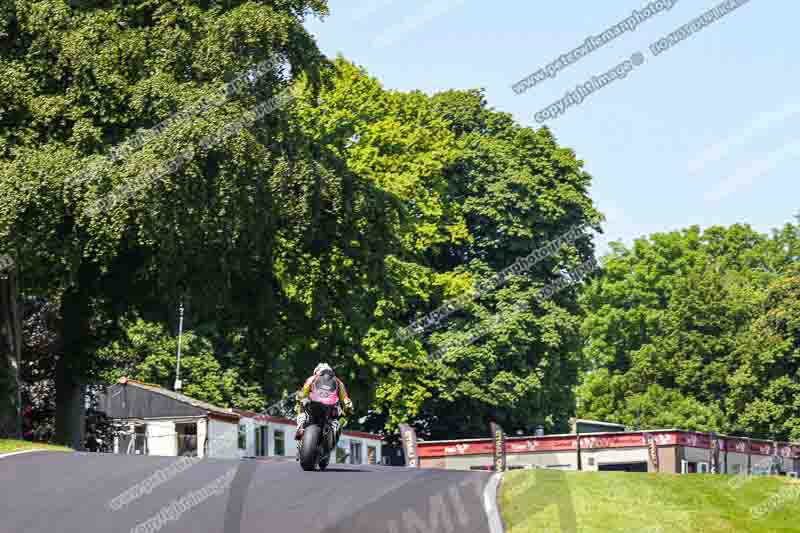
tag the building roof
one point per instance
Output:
(575, 421)
(223, 411)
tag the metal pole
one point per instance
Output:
(178, 384)
(775, 469)
(749, 460)
(725, 441)
(711, 457)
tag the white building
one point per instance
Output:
(272, 436)
(167, 423)
(672, 451)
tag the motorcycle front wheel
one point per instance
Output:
(309, 447)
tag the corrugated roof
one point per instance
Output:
(574, 421)
(179, 397)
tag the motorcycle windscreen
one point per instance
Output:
(325, 390)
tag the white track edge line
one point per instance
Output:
(3, 455)
(490, 504)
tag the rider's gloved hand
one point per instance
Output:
(301, 425)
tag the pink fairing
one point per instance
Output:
(324, 397)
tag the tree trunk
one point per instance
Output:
(70, 410)
(11, 346)
(70, 402)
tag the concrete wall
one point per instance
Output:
(612, 456)
(202, 435)
(464, 462)
(788, 464)
(161, 439)
(734, 463)
(251, 426)
(668, 461)
(289, 443)
(345, 441)
(699, 456)
(669, 458)
(696, 455)
(432, 462)
(737, 462)
(561, 460)
(250, 448)
(223, 436)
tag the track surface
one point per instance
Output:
(53, 492)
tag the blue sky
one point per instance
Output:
(700, 134)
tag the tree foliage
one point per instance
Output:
(681, 332)
(148, 353)
(76, 78)
(316, 231)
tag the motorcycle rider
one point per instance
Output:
(345, 404)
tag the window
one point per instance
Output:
(242, 437)
(372, 453)
(280, 442)
(702, 468)
(355, 453)
(140, 439)
(261, 448)
(186, 435)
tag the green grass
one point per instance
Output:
(9, 446)
(549, 500)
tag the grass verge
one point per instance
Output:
(551, 500)
(10, 446)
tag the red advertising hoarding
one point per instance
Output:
(557, 443)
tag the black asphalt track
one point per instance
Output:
(54, 492)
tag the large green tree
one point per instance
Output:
(393, 151)
(670, 332)
(476, 191)
(79, 77)
(765, 388)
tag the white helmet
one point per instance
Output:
(322, 367)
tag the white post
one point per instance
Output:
(178, 384)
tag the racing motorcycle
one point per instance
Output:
(319, 437)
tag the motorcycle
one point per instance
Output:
(319, 437)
